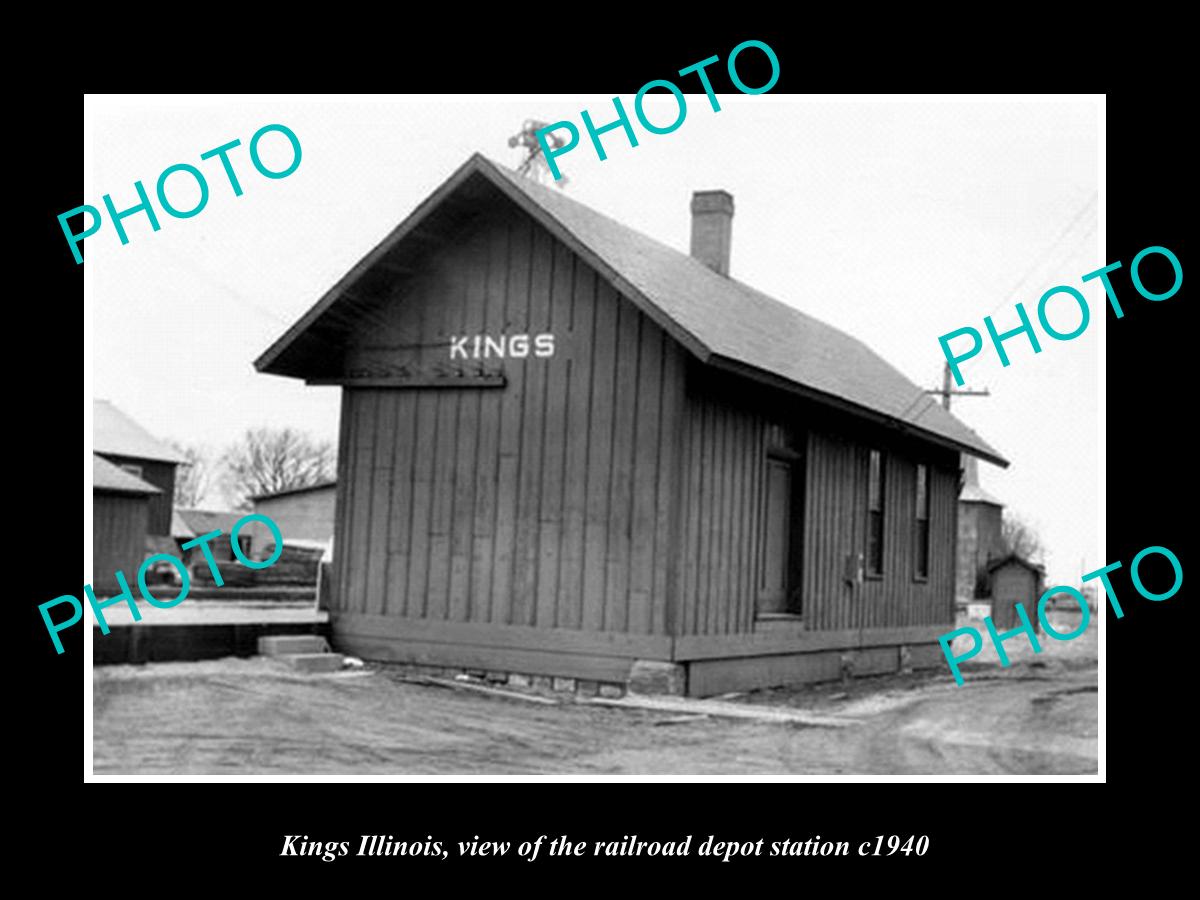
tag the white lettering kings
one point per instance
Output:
(515, 346)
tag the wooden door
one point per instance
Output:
(774, 580)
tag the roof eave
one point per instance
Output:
(267, 362)
(740, 368)
(300, 490)
(125, 491)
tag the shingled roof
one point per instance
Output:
(115, 434)
(114, 479)
(724, 322)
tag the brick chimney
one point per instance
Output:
(712, 229)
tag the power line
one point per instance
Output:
(946, 391)
(1046, 253)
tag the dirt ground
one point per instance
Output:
(257, 717)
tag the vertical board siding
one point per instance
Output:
(605, 487)
(512, 403)
(835, 527)
(380, 480)
(118, 538)
(578, 448)
(718, 542)
(723, 464)
(487, 471)
(546, 503)
(341, 518)
(554, 441)
(627, 392)
(471, 320)
(159, 506)
(533, 422)
(672, 450)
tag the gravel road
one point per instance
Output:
(256, 717)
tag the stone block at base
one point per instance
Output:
(279, 644)
(652, 676)
(313, 662)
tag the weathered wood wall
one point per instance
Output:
(836, 526)
(601, 504)
(545, 502)
(304, 515)
(723, 467)
(731, 427)
(162, 476)
(118, 538)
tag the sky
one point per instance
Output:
(896, 221)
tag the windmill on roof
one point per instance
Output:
(534, 164)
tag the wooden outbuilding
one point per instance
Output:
(1014, 579)
(120, 515)
(570, 450)
(302, 514)
(129, 446)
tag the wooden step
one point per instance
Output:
(288, 644)
(312, 662)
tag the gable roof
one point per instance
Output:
(973, 493)
(180, 530)
(202, 521)
(109, 477)
(1018, 560)
(319, 486)
(114, 433)
(724, 322)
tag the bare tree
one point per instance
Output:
(193, 478)
(1020, 538)
(267, 460)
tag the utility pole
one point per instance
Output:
(947, 392)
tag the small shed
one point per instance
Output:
(129, 446)
(1014, 580)
(302, 514)
(120, 514)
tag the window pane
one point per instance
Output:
(875, 486)
(922, 549)
(922, 493)
(875, 542)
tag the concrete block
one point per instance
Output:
(279, 644)
(543, 681)
(906, 665)
(847, 661)
(563, 684)
(587, 688)
(497, 677)
(614, 691)
(313, 662)
(517, 680)
(652, 676)
(926, 656)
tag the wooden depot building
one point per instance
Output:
(570, 450)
